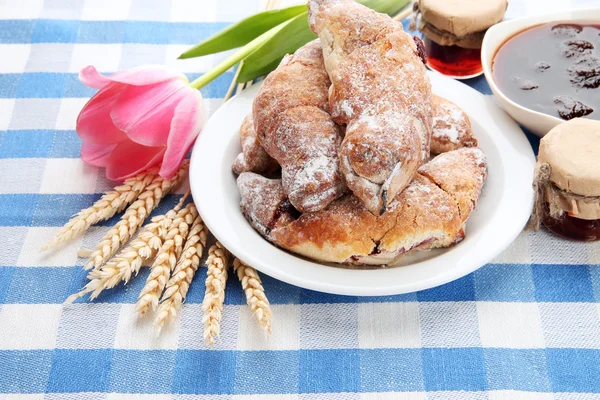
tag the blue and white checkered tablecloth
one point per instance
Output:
(526, 326)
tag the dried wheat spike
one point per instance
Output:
(133, 218)
(109, 204)
(166, 259)
(144, 247)
(255, 293)
(180, 281)
(128, 261)
(214, 296)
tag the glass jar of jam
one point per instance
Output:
(453, 33)
(567, 181)
(569, 227)
(454, 61)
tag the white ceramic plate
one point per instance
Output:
(501, 213)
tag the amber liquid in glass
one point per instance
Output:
(453, 61)
(572, 228)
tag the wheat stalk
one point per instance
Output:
(133, 218)
(180, 281)
(166, 259)
(108, 205)
(255, 293)
(214, 296)
(128, 261)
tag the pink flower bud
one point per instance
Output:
(140, 117)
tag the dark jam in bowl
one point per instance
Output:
(553, 68)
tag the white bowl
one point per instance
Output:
(537, 122)
(502, 210)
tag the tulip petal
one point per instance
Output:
(90, 77)
(147, 75)
(186, 125)
(94, 124)
(145, 112)
(96, 154)
(138, 76)
(129, 159)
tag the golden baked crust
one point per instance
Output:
(253, 157)
(346, 232)
(451, 127)
(429, 213)
(333, 234)
(380, 89)
(426, 217)
(460, 173)
(299, 80)
(291, 117)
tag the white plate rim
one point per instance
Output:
(513, 210)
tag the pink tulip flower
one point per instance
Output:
(139, 118)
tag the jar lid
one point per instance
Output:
(462, 17)
(572, 150)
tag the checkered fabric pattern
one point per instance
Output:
(526, 326)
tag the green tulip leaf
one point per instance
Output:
(266, 58)
(238, 55)
(295, 35)
(244, 31)
(389, 7)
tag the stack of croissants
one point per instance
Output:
(350, 121)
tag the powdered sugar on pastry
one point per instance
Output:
(380, 90)
(461, 173)
(451, 128)
(347, 232)
(429, 213)
(264, 204)
(291, 117)
(445, 127)
(253, 157)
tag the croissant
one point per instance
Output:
(253, 157)
(451, 128)
(380, 90)
(264, 203)
(430, 213)
(293, 124)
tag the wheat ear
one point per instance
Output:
(109, 204)
(166, 259)
(255, 293)
(180, 281)
(128, 261)
(214, 296)
(133, 218)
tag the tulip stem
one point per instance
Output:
(236, 57)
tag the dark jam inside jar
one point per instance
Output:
(572, 228)
(454, 61)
